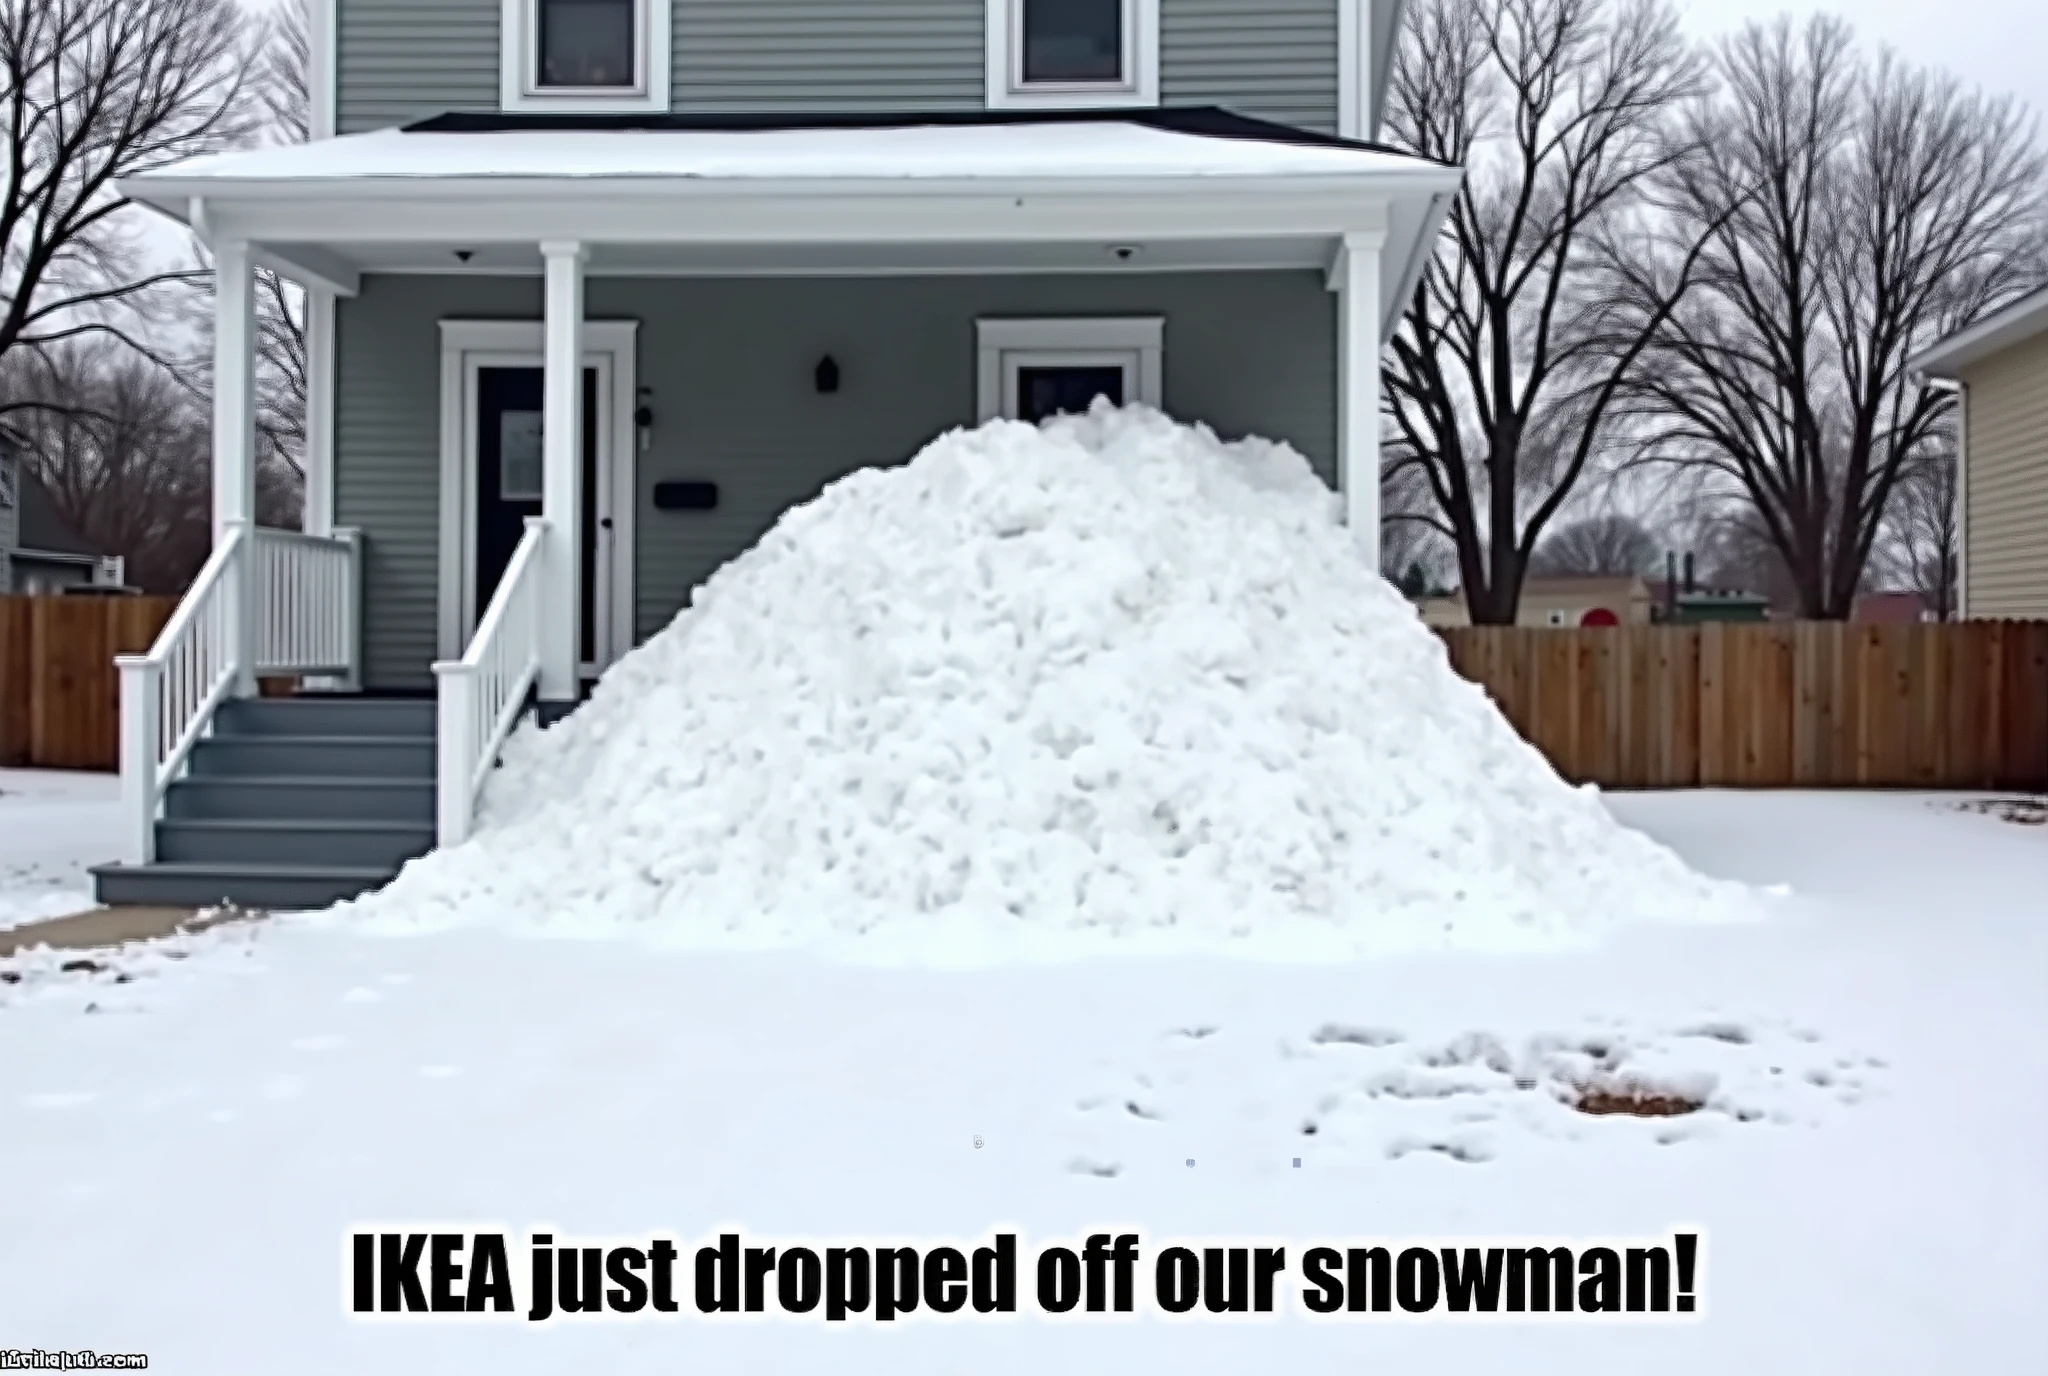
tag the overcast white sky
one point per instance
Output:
(1996, 44)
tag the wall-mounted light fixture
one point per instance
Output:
(643, 419)
(828, 375)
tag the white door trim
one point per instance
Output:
(610, 346)
(1137, 344)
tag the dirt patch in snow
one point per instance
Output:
(1634, 1101)
(2025, 812)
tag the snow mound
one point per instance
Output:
(1109, 685)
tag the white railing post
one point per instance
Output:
(455, 796)
(141, 749)
(238, 607)
(352, 609)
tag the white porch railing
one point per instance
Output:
(242, 616)
(307, 604)
(483, 694)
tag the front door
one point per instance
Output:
(509, 405)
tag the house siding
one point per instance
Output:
(730, 365)
(2005, 521)
(398, 61)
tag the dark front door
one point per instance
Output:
(1065, 391)
(509, 402)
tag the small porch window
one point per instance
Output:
(1076, 54)
(1033, 370)
(586, 56)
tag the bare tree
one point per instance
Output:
(1924, 538)
(1555, 271)
(1596, 546)
(284, 89)
(1855, 212)
(122, 446)
(92, 91)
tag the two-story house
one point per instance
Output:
(599, 288)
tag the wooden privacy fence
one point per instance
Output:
(60, 698)
(1805, 705)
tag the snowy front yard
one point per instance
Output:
(54, 826)
(182, 1152)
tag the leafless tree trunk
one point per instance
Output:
(92, 91)
(1855, 212)
(1554, 273)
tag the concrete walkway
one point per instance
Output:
(104, 927)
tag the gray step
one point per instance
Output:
(353, 845)
(326, 757)
(300, 798)
(338, 715)
(277, 888)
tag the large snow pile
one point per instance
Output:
(1113, 684)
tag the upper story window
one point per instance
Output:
(1076, 54)
(586, 56)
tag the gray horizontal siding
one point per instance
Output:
(731, 362)
(1273, 59)
(397, 61)
(822, 55)
(404, 60)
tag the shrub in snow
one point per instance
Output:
(1112, 684)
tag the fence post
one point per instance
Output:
(455, 730)
(141, 748)
(352, 609)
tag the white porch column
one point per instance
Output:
(319, 496)
(234, 386)
(234, 443)
(562, 477)
(1355, 278)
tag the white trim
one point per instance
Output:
(1004, 57)
(1135, 343)
(323, 75)
(2003, 328)
(519, 52)
(1354, 67)
(612, 347)
(1961, 609)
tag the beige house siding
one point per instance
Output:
(1555, 602)
(2005, 486)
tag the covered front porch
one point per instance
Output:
(562, 369)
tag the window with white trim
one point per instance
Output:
(1072, 54)
(586, 56)
(1032, 370)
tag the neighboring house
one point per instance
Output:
(757, 245)
(39, 551)
(2000, 368)
(1562, 601)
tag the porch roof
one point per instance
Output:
(986, 146)
(1202, 186)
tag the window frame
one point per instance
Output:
(520, 88)
(1137, 344)
(1137, 89)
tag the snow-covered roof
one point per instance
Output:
(1109, 150)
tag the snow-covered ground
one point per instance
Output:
(53, 827)
(181, 1153)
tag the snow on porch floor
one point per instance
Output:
(180, 1153)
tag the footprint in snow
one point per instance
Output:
(1339, 1034)
(1105, 1170)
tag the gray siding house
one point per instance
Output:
(40, 553)
(599, 288)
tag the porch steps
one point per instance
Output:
(291, 803)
